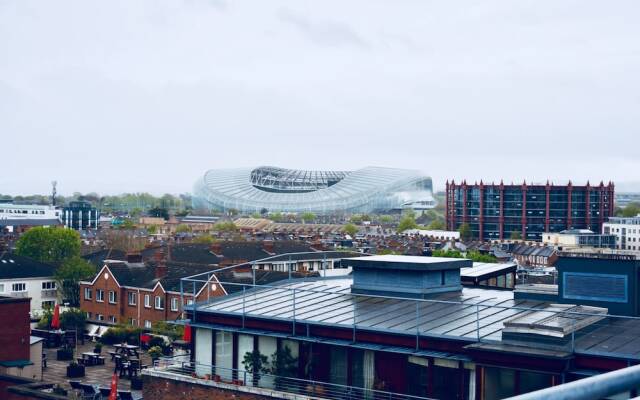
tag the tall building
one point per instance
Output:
(274, 189)
(626, 231)
(80, 215)
(504, 211)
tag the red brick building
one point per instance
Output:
(139, 294)
(14, 332)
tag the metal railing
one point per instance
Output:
(275, 384)
(591, 388)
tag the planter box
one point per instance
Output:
(64, 355)
(75, 371)
(136, 383)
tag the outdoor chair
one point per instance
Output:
(75, 385)
(89, 392)
(44, 360)
(126, 395)
(104, 392)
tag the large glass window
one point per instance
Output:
(203, 351)
(224, 354)
(245, 345)
(338, 368)
(499, 383)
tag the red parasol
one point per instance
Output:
(113, 395)
(55, 320)
(187, 333)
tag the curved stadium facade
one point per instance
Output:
(276, 189)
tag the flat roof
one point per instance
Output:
(410, 262)
(484, 269)
(448, 315)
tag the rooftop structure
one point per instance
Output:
(283, 190)
(626, 232)
(576, 238)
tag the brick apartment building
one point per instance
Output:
(499, 211)
(138, 294)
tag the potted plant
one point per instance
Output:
(136, 383)
(255, 363)
(75, 370)
(59, 390)
(155, 352)
(64, 354)
(97, 348)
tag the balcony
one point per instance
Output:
(278, 387)
(19, 294)
(53, 293)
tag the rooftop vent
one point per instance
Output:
(406, 276)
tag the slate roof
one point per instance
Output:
(13, 266)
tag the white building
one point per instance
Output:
(436, 234)
(28, 211)
(24, 277)
(626, 230)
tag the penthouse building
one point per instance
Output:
(403, 327)
(626, 231)
(324, 192)
(499, 211)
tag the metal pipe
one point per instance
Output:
(592, 388)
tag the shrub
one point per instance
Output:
(121, 334)
(155, 352)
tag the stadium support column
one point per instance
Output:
(569, 196)
(481, 213)
(501, 216)
(587, 214)
(547, 190)
(524, 210)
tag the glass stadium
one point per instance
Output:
(274, 189)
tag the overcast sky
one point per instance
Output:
(114, 96)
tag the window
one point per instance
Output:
(189, 302)
(19, 287)
(99, 295)
(87, 293)
(48, 304)
(48, 285)
(112, 297)
(132, 321)
(1, 287)
(133, 299)
(174, 304)
(147, 324)
(112, 319)
(89, 315)
(159, 303)
(147, 301)
(100, 317)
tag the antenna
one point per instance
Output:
(53, 192)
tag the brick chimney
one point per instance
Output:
(267, 245)
(134, 257)
(215, 248)
(161, 269)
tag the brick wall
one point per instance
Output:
(168, 389)
(15, 330)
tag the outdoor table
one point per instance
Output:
(128, 349)
(90, 357)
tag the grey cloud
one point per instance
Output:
(326, 33)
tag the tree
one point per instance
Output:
(350, 229)
(228, 226)
(183, 228)
(356, 219)
(386, 219)
(436, 225)
(73, 320)
(515, 235)
(127, 225)
(204, 239)
(276, 217)
(52, 245)
(446, 253)
(152, 229)
(476, 256)
(407, 222)
(283, 365)
(159, 212)
(465, 231)
(68, 276)
(308, 217)
(631, 210)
